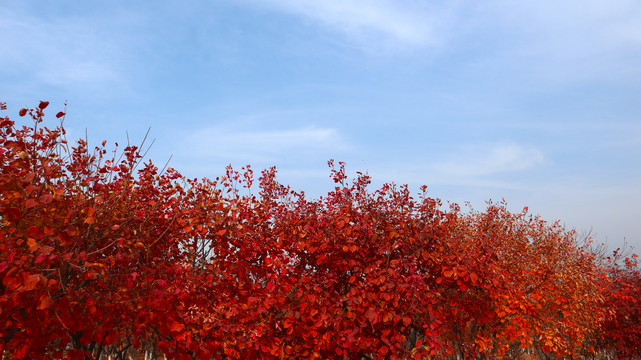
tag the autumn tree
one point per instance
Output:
(104, 254)
(88, 248)
(621, 331)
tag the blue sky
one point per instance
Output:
(537, 102)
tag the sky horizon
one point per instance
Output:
(537, 103)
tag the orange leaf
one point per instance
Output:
(31, 281)
(33, 244)
(44, 302)
(474, 278)
(177, 327)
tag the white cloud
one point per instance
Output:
(564, 40)
(374, 22)
(573, 39)
(59, 52)
(471, 165)
(231, 142)
(487, 159)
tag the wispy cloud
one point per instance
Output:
(573, 39)
(232, 142)
(473, 161)
(373, 22)
(59, 52)
(471, 164)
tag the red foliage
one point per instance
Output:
(622, 330)
(102, 254)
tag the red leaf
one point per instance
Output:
(35, 232)
(75, 355)
(91, 275)
(65, 239)
(43, 105)
(46, 199)
(71, 230)
(372, 316)
(60, 114)
(407, 320)
(29, 203)
(20, 353)
(46, 250)
(39, 258)
(23, 112)
(13, 214)
(383, 351)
